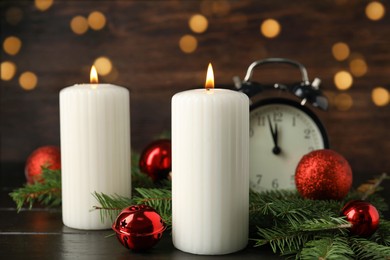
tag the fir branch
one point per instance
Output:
(327, 248)
(159, 199)
(365, 249)
(111, 205)
(46, 192)
(281, 239)
(382, 235)
(324, 224)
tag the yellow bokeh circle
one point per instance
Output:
(96, 20)
(12, 45)
(380, 96)
(28, 80)
(79, 24)
(8, 70)
(343, 80)
(198, 23)
(270, 28)
(340, 51)
(375, 11)
(188, 43)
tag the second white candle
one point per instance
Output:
(210, 175)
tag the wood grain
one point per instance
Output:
(141, 38)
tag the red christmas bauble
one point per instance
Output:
(156, 160)
(45, 156)
(139, 227)
(363, 216)
(323, 174)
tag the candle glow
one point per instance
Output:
(93, 76)
(209, 77)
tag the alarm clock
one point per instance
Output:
(282, 130)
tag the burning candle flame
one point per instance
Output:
(93, 75)
(209, 78)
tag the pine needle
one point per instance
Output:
(46, 192)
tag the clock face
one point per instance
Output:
(281, 132)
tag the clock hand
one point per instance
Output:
(276, 150)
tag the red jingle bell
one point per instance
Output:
(156, 159)
(139, 227)
(363, 216)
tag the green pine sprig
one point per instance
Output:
(47, 191)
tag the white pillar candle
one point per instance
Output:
(95, 150)
(210, 171)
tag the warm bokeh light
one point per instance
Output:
(28, 80)
(380, 96)
(79, 24)
(14, 15)
(343, 102)
(343, 80)
(8, 70)
(93, 77)
(43, 5)
(12, 45)
(270, 28)
(188, 43)
(103, 65)
(209, 77)
(358, 67)
(375, 11)
(340, 51)
(96, 20)
(198, 23)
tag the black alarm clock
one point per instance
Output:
(282, 130)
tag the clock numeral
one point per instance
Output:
(261, 121)
(293, 121)
(275, 184)
(278, 116)
(259, 176)
(307, 133)
(251, 132)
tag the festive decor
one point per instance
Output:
(290, 224)
(46, 192)
(363, 216)
(323, 174)
(43, 157)
(139, 227)
(156, 159)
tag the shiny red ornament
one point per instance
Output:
(156, 159)
(139, 227)
(323, 175)
(45, 156)
(363, 216)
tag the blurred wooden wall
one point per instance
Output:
(141, 38)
